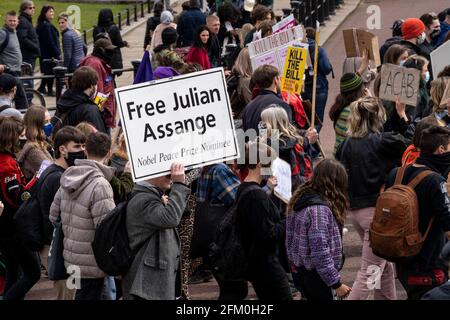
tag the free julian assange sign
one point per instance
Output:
(183, 119)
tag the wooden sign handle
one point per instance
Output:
(316, 54)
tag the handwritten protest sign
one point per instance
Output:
(183, 119)
(401, 82)
(282, 170)
(294, 70)
(284, 24)
(356, 41)
(440, 58)
(275, 41)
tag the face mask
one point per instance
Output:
(48, 128)
(421, 39)
(435, 33)
(402, 62)
(72, 156)
(22, 143)
(427, 77)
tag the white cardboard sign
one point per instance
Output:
(282, 170)
(183, 119)
(275, 40)
(440, 58)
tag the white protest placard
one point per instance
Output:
(401, 82)
(284, 24)
(184, 119)
(440, 58)
(282, 170)
(275, 40)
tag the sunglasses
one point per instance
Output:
(31, 8)
(168, 176)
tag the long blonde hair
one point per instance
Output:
(34, 121)
(277, 122)
(366, 116)
(243, 66)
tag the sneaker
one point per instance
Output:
(200, 276)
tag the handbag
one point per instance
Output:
(56, 268)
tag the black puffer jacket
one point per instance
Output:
(28, 38)
(79, 108)
(367, 161)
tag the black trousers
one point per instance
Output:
(23, 269)
(269, 280)
(311, 285)
(91, 289)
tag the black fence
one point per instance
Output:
(308, 12)
(124, 17)
(61, 76)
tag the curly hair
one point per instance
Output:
(330, 181)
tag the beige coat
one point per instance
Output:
(84, 199)
(156, 38)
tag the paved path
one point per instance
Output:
(390, 11)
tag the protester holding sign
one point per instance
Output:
(323, 70)
(151, 223)
(292, 147)
(365, 146)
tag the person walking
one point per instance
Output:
(50, 48)
(200, 49)
(314, 227)
(73, 45)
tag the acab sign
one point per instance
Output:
(183, 119)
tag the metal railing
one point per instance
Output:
(60, 75)
(123, 18)
(309, 11)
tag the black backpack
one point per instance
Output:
(111, 244)
(227, 256)
(28, 219)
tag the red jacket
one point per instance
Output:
(105, 85)
(13, 190)
(200, 56)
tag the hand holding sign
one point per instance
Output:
(177, 172)
(401, 109)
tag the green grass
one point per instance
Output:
(88, 11)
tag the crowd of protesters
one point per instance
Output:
(74, 164)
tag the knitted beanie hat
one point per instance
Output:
(350, 82)
(412, 28)
(166, 17)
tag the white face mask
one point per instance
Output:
(421, 38)
(402, 62)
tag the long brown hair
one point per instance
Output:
(330, 181)
(10, 130)
(34, 121)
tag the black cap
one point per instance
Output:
(7, 82)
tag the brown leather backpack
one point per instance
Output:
(394, 231)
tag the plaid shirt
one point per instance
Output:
(218, 184)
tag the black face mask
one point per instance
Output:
(72, 156)
(22, 143)
(437, 162)
(435, 34)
